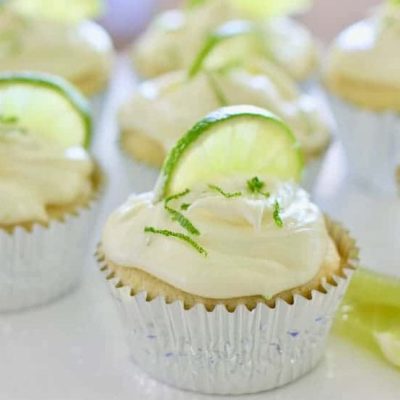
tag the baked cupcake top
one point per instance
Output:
(36, 177)
(169, 105)
(80, 52)
(364, 62)
(249, 237)
(175, 37)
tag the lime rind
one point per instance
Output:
(370, 314)
(225, 32)
(40, 81)
(213, 123)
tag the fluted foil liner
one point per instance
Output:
(371, 141)
(238, 352)
(45, 263)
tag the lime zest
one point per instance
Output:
(179, 217)
(185, 206)
(255, 186)
(177, 196)
(228, 30)
(177, 235)
(277, 214)
(225, 194)
(182, 220)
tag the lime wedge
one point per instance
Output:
(233, 29)
(68, 11)
(265, 8)
(271, 8)
(46, 106)
(229, 141)
(368, 286)
(389, 343)
(370, 314)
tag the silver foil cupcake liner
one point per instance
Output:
(238, 352)
(46, 262)
(372, 144)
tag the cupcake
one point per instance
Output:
(226, 274)
(175, 37)
(80, 52)
(362, 75)
(169, 105)
(49, 189)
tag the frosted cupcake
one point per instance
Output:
(205, 256)
(175, 37)
(363, 76)
(163, 109)
(80, 52)
(49, 187)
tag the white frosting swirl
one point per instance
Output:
(248, 253)
(75, 52)
(369, 51)
(35, 174)
(170, 105)
(174, 39)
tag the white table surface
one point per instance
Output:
(74, 349)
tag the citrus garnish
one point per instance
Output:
(370, 314)
(214, 55)
(46, 106)
(232, 140)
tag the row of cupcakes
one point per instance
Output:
(360, 74)
(200, 265)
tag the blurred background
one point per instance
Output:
(126, 18)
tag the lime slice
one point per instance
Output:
(46, 106)
(68, 11)
(271, 8)
(372, 326)
(368, 286)
(229, 141)
(265, 8)
(389, 344)
(370, 314)
(229, 55)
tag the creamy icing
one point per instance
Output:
(35, 174)
(248, 253)
(369, 51)
(175, 38)
(72, 51)
(170, 105)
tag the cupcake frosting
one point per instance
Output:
(76, 52)
(364, 62)
(35, 175)
(247, 243)
(175, 37)
(168, 106)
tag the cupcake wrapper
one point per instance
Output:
(372, 143)
(45, 263)
(236, 352)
